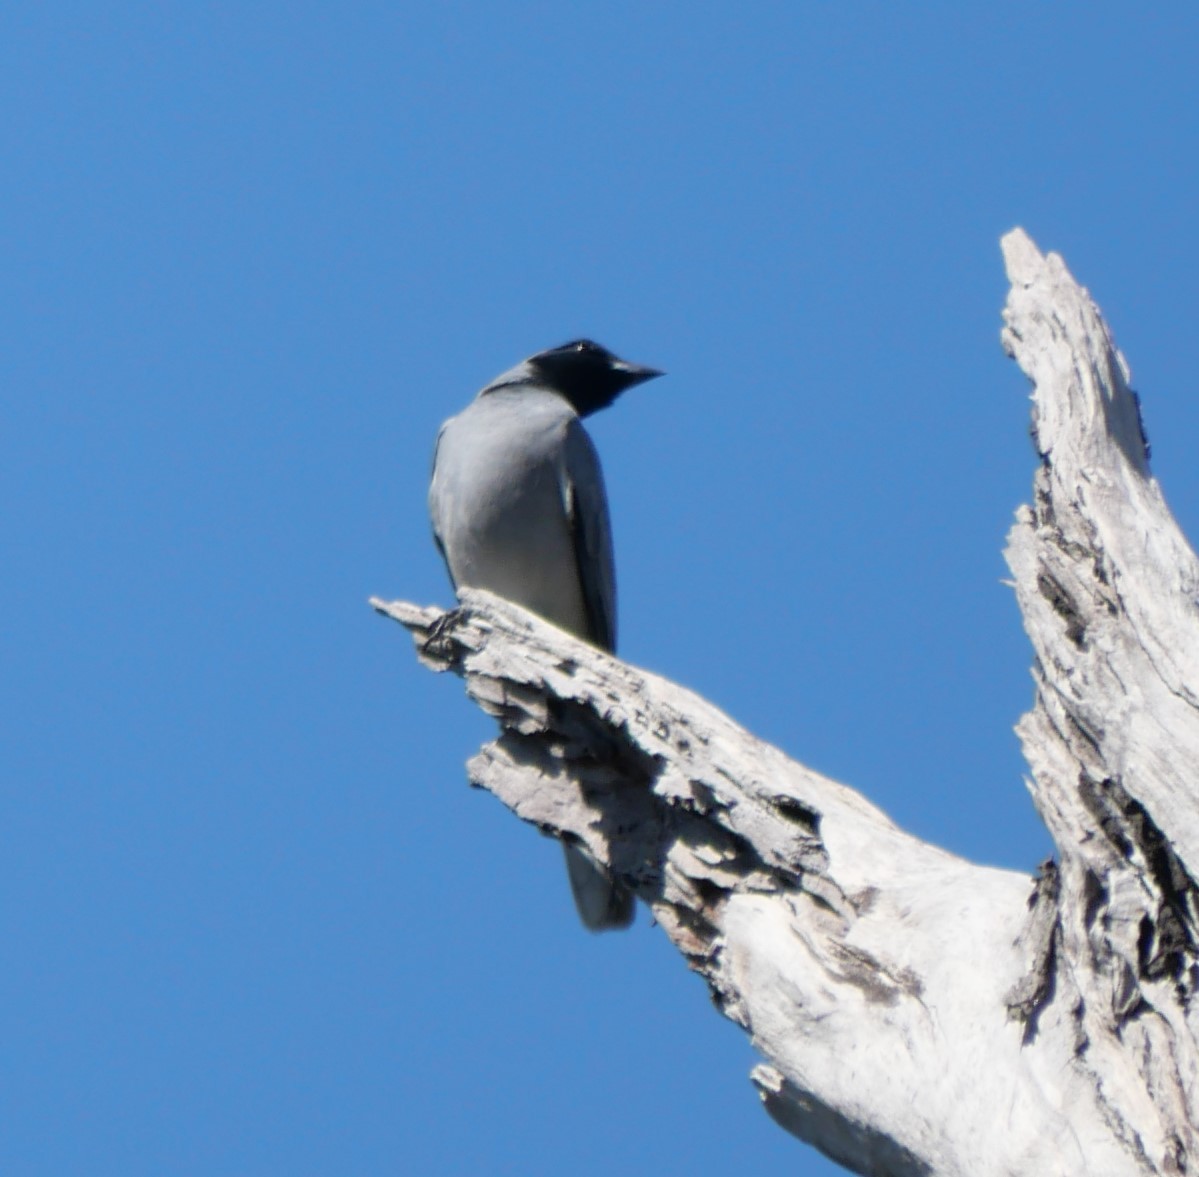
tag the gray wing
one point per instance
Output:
(434, 505)
(591, 533)
(601, 902)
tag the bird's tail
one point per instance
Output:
(601, 901)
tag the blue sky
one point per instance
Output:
(252, 254)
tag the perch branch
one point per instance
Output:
(917, 1013)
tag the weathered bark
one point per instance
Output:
(1109, 590)
(917, 1013)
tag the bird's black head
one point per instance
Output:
(587, 375)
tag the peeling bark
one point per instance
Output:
(916, 1013)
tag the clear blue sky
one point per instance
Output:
(254, 921)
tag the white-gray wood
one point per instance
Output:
(916, 1013)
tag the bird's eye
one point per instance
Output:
(582, 345)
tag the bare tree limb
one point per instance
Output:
(1109, 590)
(919, 1014)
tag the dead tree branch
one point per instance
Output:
(919, 1014)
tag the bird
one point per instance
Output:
(518, 507)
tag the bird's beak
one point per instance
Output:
(635, 373)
